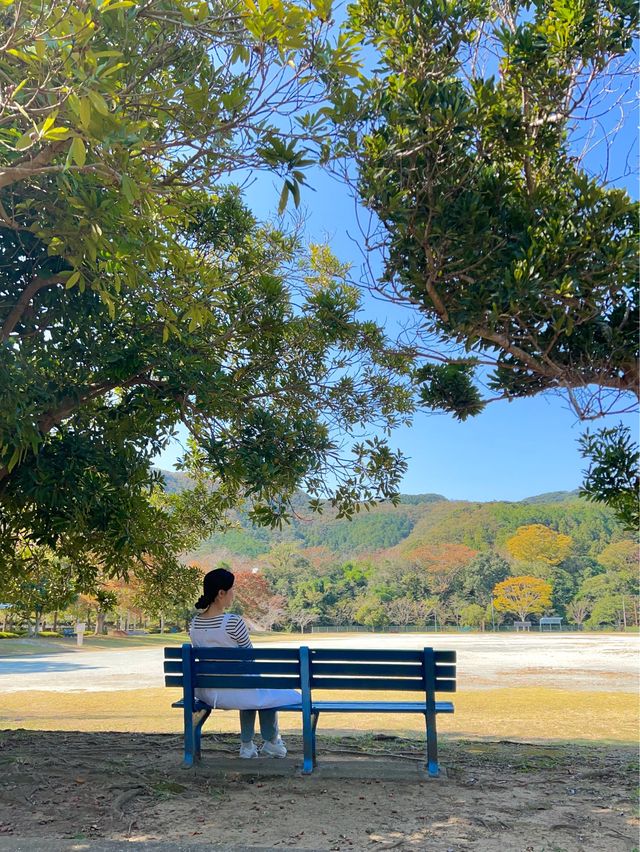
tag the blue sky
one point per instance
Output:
(510, 451)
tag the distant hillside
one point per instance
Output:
(416, 499)
(419, 520)
(175, 481)
(552, 497)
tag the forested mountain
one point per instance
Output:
(420, 520)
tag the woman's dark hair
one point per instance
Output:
(214, 581)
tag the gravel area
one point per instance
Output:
(568, 660)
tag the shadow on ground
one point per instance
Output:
(369, 794)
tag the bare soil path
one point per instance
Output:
(497, 797)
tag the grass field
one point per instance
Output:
(549, 688)
(517, 713)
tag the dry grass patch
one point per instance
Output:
(528, 713)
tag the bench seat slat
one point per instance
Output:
(202, 705)
(378, 706)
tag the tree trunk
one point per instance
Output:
(38, 623)
(161, 623)
(55, 621)
(100, 617)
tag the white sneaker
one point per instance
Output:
(274, 748)
(248, 750)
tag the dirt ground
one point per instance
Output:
(367, 795)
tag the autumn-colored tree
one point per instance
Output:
(522, 595)
(443, 563)
(537, 543)
(252, 593)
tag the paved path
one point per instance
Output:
(578, 661)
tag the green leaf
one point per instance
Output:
(284, 197)
(98, 102)
(78, 151)
(72, 279)
(26, 140)
(85, 111)
(129, 189)
(119, 4)
(111, 306)
(15, 458)
(19, 87)
(57, 134)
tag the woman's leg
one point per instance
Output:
(248, 725)
(268, 724)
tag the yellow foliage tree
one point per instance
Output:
(522, 595)
(537, 543)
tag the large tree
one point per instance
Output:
(517, 255)
(522, 595)
(138, 293)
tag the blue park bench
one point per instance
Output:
(309, 669)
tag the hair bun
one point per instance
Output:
(202, 602)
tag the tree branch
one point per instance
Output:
(37, 284)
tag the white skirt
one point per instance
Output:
(248, 699)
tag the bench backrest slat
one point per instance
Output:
(362, 655)
(379, 683)
(330, 668)
(258, 653)
(246, 682)
(412, 670)
(229, 667)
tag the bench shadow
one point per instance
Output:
(31, 666)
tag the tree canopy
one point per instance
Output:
(538, 543)
(137, 292)
(522, 595)
(520, 260)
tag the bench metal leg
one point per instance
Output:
(189, 740)
(199, 719)
(433, 768)
(307, 745)
(307, 712)
(314, 725)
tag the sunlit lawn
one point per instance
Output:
(527, 713)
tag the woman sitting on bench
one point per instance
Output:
(216, 628)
